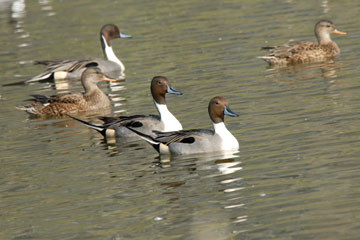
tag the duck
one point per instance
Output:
(165, 121)
(73, 68)
(92, 100)
(306, 52)
(197, 140)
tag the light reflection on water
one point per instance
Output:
(296, 175)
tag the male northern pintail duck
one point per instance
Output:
(72, 69)
(116, 126)
(197, 140)
(305, 52)
(92, 100)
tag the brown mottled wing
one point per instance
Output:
(60, 98)
(68, 98)
(292, 48)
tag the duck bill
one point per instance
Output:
(173, 91)
(107, 79)
(338, 32)
(123, 35)
(227, 111)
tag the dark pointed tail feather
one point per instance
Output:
(152, 141)
(267, 48)
(100, 128)
(45, 62)
(14, 84)
(40, 98)
(108, 120)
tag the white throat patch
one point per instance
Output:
(228, 140)
(170, 122)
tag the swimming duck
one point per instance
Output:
(93, 99)
(116, 126)
(305, 52)
(197, 140)
(72, 69)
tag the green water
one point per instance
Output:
(296, 176)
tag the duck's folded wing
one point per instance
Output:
(47, 99)
(134, 121)
(68, 98)
(70, 65)
(63, 65)
(287, 50)
(182, 136)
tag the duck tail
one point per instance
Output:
(39, 98)
(42, 62)
(268, 59)
(32, 110)
(48, 75)
(98, 127)
(267, 48)
(152, 141)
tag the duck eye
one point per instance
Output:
(217, 103)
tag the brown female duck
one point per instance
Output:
(58, 105)
(305, 52)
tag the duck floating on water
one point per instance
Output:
(72, 69)
(306, 52)
(92, 100)
(197, 140)
(165, 121)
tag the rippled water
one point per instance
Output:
(296, 175)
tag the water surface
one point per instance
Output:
(296, 175)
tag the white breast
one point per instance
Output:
(229, 142)
(170, 122)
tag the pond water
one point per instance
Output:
(297, 174)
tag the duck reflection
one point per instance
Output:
(46, 7)
(209, 185)
(202, 191)
(17, 10)
(327, 70)
(224, 160)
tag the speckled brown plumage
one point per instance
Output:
(59, 105)
(305, 52)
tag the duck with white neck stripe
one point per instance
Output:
(165, 121)
(197, 140)
(72, 69)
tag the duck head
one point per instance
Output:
(218, 108)
(159, 87)
(323, 29)
(109, 32)
(91, 76)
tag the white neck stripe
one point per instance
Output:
(110, 55)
